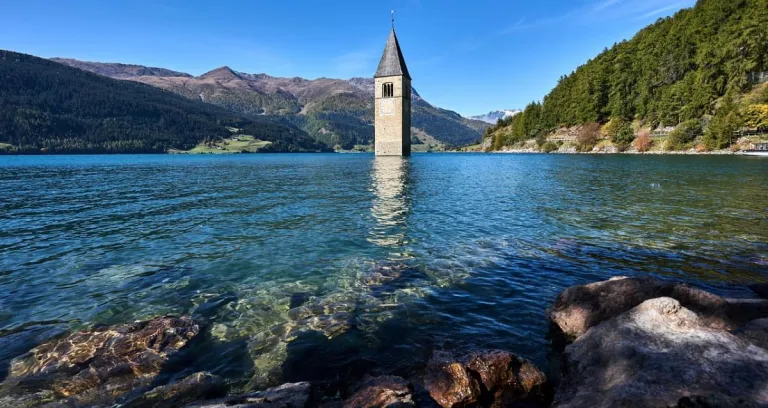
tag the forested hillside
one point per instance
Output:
(52, 108)
(694, 68)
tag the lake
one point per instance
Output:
(306, 264)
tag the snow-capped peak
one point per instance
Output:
(492, 117)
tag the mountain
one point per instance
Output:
(494, 116)
(53, 108)
(335, 112)
(686, 69)
(120, 71)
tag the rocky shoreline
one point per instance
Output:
(630, 152)
(625, 342)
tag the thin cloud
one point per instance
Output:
(660, 11)
(523, 24)
(605, 4)
(604, 10)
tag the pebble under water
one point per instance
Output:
(306, 265)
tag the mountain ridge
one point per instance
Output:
(50, 107)
(336, 112)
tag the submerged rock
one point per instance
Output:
(580, 307)
(290, 395)
(382, 392)
(494, 377)
(98, 365)
(656, 354)
(192, 388)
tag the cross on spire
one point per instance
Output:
(393, 19)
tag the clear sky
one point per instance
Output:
(468, 56)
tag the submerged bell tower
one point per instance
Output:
(392, 91)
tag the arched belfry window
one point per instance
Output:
(388, 90)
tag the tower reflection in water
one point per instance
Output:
(391, 204)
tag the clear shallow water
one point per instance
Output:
(304, 262)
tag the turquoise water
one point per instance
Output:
(305, 264)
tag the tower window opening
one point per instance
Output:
(388, 90)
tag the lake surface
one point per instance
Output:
(306, 264)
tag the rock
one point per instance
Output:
(505, 376)
(449, 382)
(714, 401)
(580, 307)
(760, 289)
(99, 364)
(742, 311)
(13, 344)
(654, 355)
(492, 376)
(755, 332)
(382, 392)
(194, 387)
(290, 395)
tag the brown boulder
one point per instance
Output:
(99, 364)
(654, 355)
(382, 392)
(505, 376)
(449, 382)
(494, 377)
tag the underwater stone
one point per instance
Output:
(102, 363)
(290, 395)
(191, 388)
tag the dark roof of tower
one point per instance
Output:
(392, 62)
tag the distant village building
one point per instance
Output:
(392, 102)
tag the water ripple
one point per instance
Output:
(398, 256)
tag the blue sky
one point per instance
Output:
(471, 57)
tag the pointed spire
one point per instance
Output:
(392, 62)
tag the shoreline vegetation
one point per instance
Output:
(627, 341)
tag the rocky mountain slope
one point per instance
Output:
(335, 112)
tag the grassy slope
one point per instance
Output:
(243, 144)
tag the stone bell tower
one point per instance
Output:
(393, 102)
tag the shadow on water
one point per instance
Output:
(336, 364)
